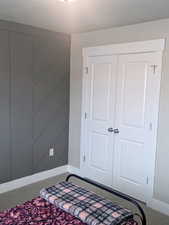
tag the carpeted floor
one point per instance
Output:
(18, 196)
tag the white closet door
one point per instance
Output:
(136, 120)
(100, 118)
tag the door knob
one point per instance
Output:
(116, 131)
(110, 129)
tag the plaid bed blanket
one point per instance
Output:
(90, 208)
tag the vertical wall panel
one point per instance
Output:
(50, 102)
(4, 108)
(21, 97)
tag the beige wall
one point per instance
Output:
(144, 31)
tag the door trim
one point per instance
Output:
(118, 49)
(126, 48)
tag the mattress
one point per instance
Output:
(89, 207)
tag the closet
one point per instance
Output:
(121, 86)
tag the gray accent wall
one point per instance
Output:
(34, 100)
(50, 106)
(5, 153)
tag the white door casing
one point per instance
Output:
(139, 123)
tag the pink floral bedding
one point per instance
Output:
(39, 212)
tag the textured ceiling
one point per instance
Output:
(82, 15)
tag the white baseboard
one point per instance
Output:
(159, 206)
(12, 185)
(74, 170)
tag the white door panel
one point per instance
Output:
(134, 93)
(100, 93)
(134, 115)
(131, 171)
(98, 142)
(101, 102)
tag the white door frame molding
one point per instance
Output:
(157, 45)
(118, 49)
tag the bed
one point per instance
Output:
(41, 211)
